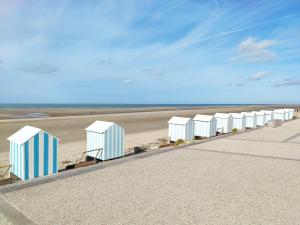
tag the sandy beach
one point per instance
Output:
(142, 125)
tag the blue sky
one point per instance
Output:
(132, 51)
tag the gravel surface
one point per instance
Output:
(3, 220)
(227, 181)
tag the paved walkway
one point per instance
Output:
(249, 178)
(9, 215)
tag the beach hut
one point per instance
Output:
(205, 126)
(292, 111)
(260, 118)
(250, 119)
(239, 121)
(106, 138)
(279, 114)
(181, 128)
(33, 153)
(224, 122)
(268, 114)
(287, 114)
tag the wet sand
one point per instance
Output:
(141, 126)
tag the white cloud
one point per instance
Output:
(288, 82)
(259, 75)
(241, 84)
(42, 68)
(153, 73)
(253, 50)
(127, 81)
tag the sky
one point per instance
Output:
(150, 51)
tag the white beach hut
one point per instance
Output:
(205, 126)
(239, 121)
(260, 118)
(287, 114)
(279, 114)
(268, 114)
(250, 119)
(292, 111)
(181, 128)
(224, 122)
(107, 136)
(33, 153)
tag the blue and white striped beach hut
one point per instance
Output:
(107, 136)
(269, 115)
(260, 118)
(239, 121)
(250, 119)
(224, 122)
(279, 114)
(33, 153)
(181, 128)
(205, 126)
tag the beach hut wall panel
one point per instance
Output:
(205, 126)
(107, 136)
(292, 112)
(260, 118)
(224, 122)
(33, 153)
(287, 114)
(279, 114)
(181, 128)
(239, 121)
(250, 119)
(268, 115)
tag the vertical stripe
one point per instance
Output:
(50, 154)
(46, 150)
(113, 141)
(106, 145)
(10, 156)
(36, 155)
(31, 158)
(26, 160)
(54, 155)
(41, 153)
(15, 159)
(21, 169)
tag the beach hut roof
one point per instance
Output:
(237, 115)
(259, 113)
(249, 113)
(179, 120)
(267, 111)
(99, 126)
(222, 115)
(24, 134)
(199, 117)
(279, 110)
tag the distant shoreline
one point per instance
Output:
(31, 111)
(38, 111)
(114, 106)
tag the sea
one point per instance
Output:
(96, 105)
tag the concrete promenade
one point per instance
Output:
(247, 179)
